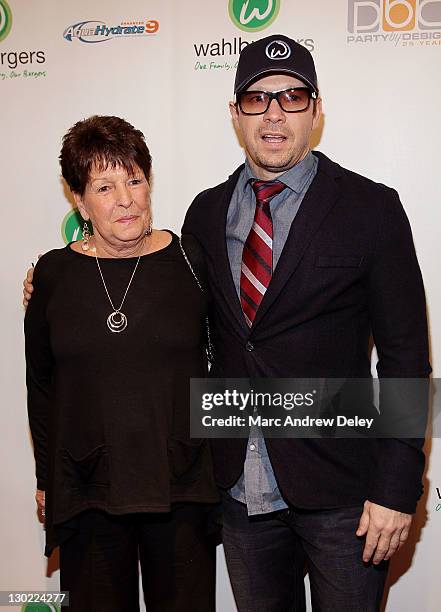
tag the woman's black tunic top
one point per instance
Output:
(109, 412)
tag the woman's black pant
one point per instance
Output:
(99, 564)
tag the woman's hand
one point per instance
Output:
(40, 498)
(28, 287)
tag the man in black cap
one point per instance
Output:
(306, 259)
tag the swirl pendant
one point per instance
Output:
(117, 321)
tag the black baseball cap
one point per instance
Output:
(275, 54)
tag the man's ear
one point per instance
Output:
(233, 110)
(317, 113)
(80, 205)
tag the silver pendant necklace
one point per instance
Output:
(117, 320)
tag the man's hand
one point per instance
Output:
(386, 531)
(28, 287)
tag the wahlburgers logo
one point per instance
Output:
(72, 226)
(5, 19)
(253, 15)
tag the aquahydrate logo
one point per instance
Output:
(93, 31)
(253, 15)
(5, 19)
(400, 22)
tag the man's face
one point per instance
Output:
(275, 141)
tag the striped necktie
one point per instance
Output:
(257, 257)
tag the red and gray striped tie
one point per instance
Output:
(257, 258)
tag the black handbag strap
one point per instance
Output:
(209, 345)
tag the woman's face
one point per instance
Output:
(118, 204)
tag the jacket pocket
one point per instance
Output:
(185, 459)
(91, 470)
(339, 261)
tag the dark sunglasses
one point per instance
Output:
(293, 100)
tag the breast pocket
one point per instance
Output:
(339, 261)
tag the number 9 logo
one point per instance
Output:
(151, 26)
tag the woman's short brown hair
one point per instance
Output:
(102, 142)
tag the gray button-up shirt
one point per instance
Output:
(257, 486)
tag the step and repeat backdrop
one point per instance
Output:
(168, 68)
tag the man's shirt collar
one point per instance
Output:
(294, 178)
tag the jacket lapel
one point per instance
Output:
(224, 278)
(317, 203)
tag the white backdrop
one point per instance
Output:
(378, 64)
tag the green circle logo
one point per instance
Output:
(40, 607)
(5, 19)
(72, 226)
(253, 15)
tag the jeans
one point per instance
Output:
(266, 554)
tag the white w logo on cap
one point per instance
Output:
(277, 49)
(255, 13)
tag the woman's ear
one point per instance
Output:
(80, 205)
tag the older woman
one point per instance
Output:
(114, 332)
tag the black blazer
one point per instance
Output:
(348, 270)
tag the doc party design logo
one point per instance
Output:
(405, 22)
(253, 15)
(72, 226)
(5, 19)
